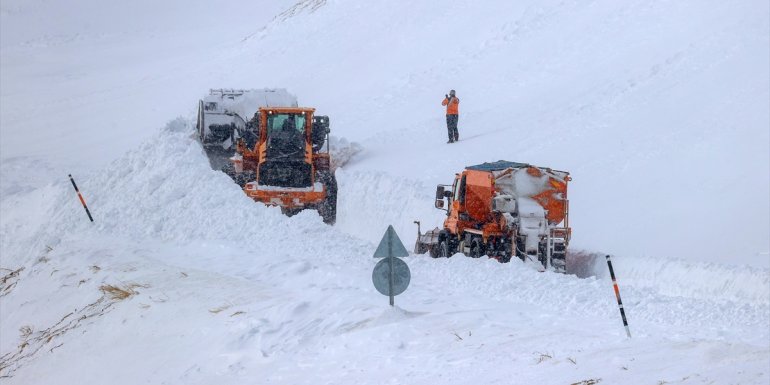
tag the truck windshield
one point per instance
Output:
(458, 189)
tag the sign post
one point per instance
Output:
(390, 269)
(391, 275)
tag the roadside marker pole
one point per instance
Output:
(81, 198)
(617, 295)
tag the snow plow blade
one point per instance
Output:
(427, 242)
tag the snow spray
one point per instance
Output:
(617, 295)
(81, 198)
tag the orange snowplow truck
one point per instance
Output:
(502, 209)
(282, 159)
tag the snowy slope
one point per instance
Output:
(658, 109)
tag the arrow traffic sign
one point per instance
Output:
(390, 241)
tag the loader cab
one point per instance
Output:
(285, 148)
(286, 136)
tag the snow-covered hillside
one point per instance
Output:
(658, 109)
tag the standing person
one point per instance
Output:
(451, 102)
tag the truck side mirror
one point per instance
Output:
(439, 203)
(439, 192)
(447, 194)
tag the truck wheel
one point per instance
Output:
(506, 253)
(477, 250)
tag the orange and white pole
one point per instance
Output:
(617, 295)
(82, 201)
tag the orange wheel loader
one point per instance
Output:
(282, 159)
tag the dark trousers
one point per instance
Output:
(451, 126)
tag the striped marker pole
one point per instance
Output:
(617, 294)
(81, 198)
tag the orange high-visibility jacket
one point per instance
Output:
(451, 107)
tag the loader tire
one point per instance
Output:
(245, 177)
(230, 171)
(290, 212)
(328, 208)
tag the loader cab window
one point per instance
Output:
(286, 136)
(210, 106)
(281, 123)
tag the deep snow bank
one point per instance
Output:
(697, 280)
(378, 199)
(163, 190)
